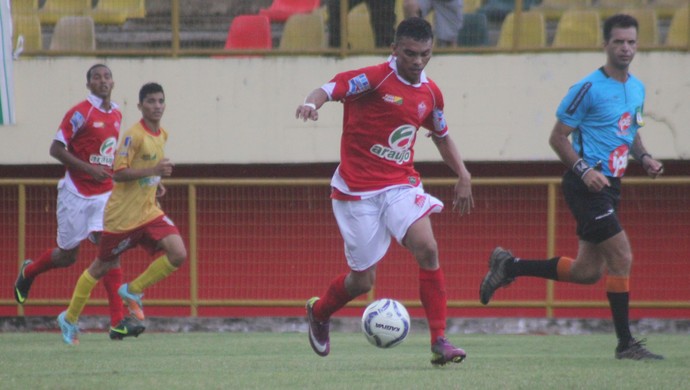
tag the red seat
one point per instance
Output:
(249, 32)
(281, 10)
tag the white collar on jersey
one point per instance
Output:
(96, 102)
(394, 66)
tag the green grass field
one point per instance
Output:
(285, 361)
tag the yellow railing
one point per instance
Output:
(549, 303)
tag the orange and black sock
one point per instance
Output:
(557, 268)
(618, 294)
(336, 298)
(432, 293)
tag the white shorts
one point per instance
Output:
(368, 224)
(78, 216)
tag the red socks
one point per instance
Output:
(42, 264)
(112, 281)
(432, 293)
(335, 298)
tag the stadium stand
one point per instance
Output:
(27, 28)
(531, 33)
(360, 34)
(280, 10)
(553, 9)
(470, 6)
(648, 34)
(117, 11)
(24, 7)
(578, 28)
(249, 32)
(666, 8)
(611, 7)
(74, 33)
(678, 30)
(304, 32)
(474, 31)
(53, 10)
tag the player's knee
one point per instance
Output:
(64, 258)
(427, 254)
(590, 277)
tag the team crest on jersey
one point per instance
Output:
(400, 142)
(419, 200)
(618, 160)
(421, 110)
(393, 99)
(107, 153)
(358, 84)
(624, 123)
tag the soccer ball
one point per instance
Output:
(385, 323)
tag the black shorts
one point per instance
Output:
(595, 212)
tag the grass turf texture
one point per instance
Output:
(285, 361)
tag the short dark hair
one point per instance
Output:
(148, 89)
(619, 21)
(416, 28)
(88, 72)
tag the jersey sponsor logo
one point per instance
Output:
(393, 99)
(107, 153)
(148, 157)
(399, 143)
(77, 120)
(149, 181)
(98, 125)
(624, 123)
(618, 161)
(578, 98)
(358, 84)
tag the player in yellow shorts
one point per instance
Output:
(132, 215)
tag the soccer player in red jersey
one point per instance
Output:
(85, 144)
(133, 216)
(376, 191)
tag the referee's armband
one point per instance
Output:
(581, 168)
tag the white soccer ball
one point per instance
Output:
(385, 323)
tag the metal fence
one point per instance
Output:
(268, 244)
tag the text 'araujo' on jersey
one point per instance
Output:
(381, 115)
(90, 133)
(606, 115)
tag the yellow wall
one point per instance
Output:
(499, 107)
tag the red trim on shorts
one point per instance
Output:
(339, 195)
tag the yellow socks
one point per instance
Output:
(82, 292)
(158, 270)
